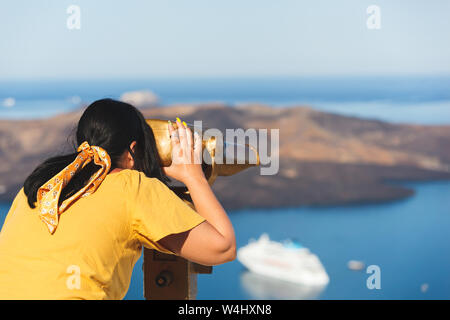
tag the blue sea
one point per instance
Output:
(407, 239)
(412, 99)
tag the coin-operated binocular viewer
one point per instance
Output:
(168, 276)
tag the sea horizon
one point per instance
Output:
(417, 100)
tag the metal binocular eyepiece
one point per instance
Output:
(219, 158)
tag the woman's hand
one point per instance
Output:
(186, 154)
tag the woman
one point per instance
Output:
(76, 228)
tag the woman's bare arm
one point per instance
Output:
(213, 241)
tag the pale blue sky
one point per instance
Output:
(184, 38)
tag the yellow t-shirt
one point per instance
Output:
(99, 238)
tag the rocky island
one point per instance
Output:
(325, 158)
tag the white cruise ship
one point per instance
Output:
(287, 261)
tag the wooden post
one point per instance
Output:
(167, 276)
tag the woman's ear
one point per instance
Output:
(130, 159)
(132, 146)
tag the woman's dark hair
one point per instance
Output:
(112, 125)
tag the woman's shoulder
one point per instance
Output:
(20, 196)
(137, 187)
(133, 178)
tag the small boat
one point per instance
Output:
(355, 265)
(288, 261)
(424, 287)
(9, 102)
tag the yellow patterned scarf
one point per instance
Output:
(48, 194)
